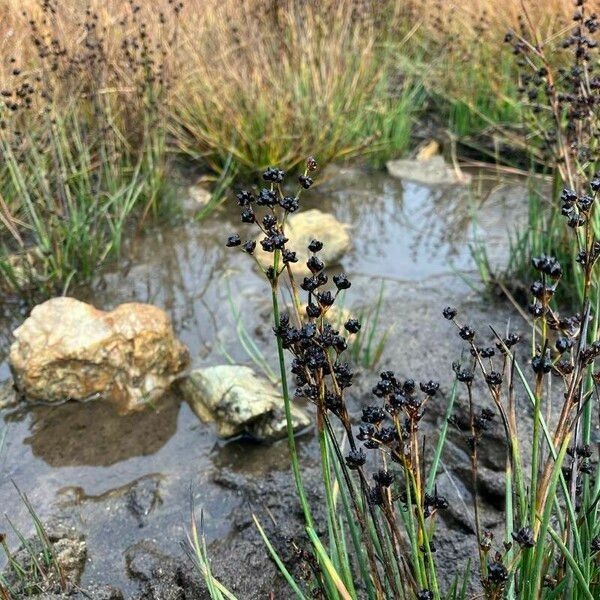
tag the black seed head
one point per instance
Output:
(247, 215)
(430, 388)
(466, 333)
(373, 414)
(305, 181)
(249, 246)
(497, 573)
(233, 240)
(290, 204)
(493, 378)
(524, 537)
(244, 198)
(315, 264)
(313, 310)
(289, 257)
(352, 325)
(356, 459)
(315, 246)
(384, 478)
(274, 175)
(341, 281)
(449, 312)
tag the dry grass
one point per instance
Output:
(271, 80)
(278, 80)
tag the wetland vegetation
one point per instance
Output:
(315, 197)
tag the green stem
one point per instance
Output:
(288, 417)
(537, 408)
(331, 511)
(541, 548)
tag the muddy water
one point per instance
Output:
(124, 479)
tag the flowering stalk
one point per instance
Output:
(397, 568)
(288, 411)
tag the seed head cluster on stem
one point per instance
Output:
(384, 452)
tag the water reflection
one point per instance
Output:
(94, 434)
(401, 230)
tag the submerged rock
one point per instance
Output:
(69, 350)
(432, 171)
(239, 401)
(306, 226)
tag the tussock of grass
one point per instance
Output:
(271, 82)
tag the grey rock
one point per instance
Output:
(239, 401)
(143, 497)
(460, 508)
(432, 172)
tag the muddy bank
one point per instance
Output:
(127, 482)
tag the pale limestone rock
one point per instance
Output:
(239, 401)
(69, 350)
(432, 172)
(306, 226)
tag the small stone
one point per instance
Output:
(428, 150)
(432, 172)
(8, 395)
(199, 195)
(143, 497)
(239, 401)
(305, 226)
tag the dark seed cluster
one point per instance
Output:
(389, 426)
(572, 90)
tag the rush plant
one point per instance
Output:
(379, 485)
(82, 139)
